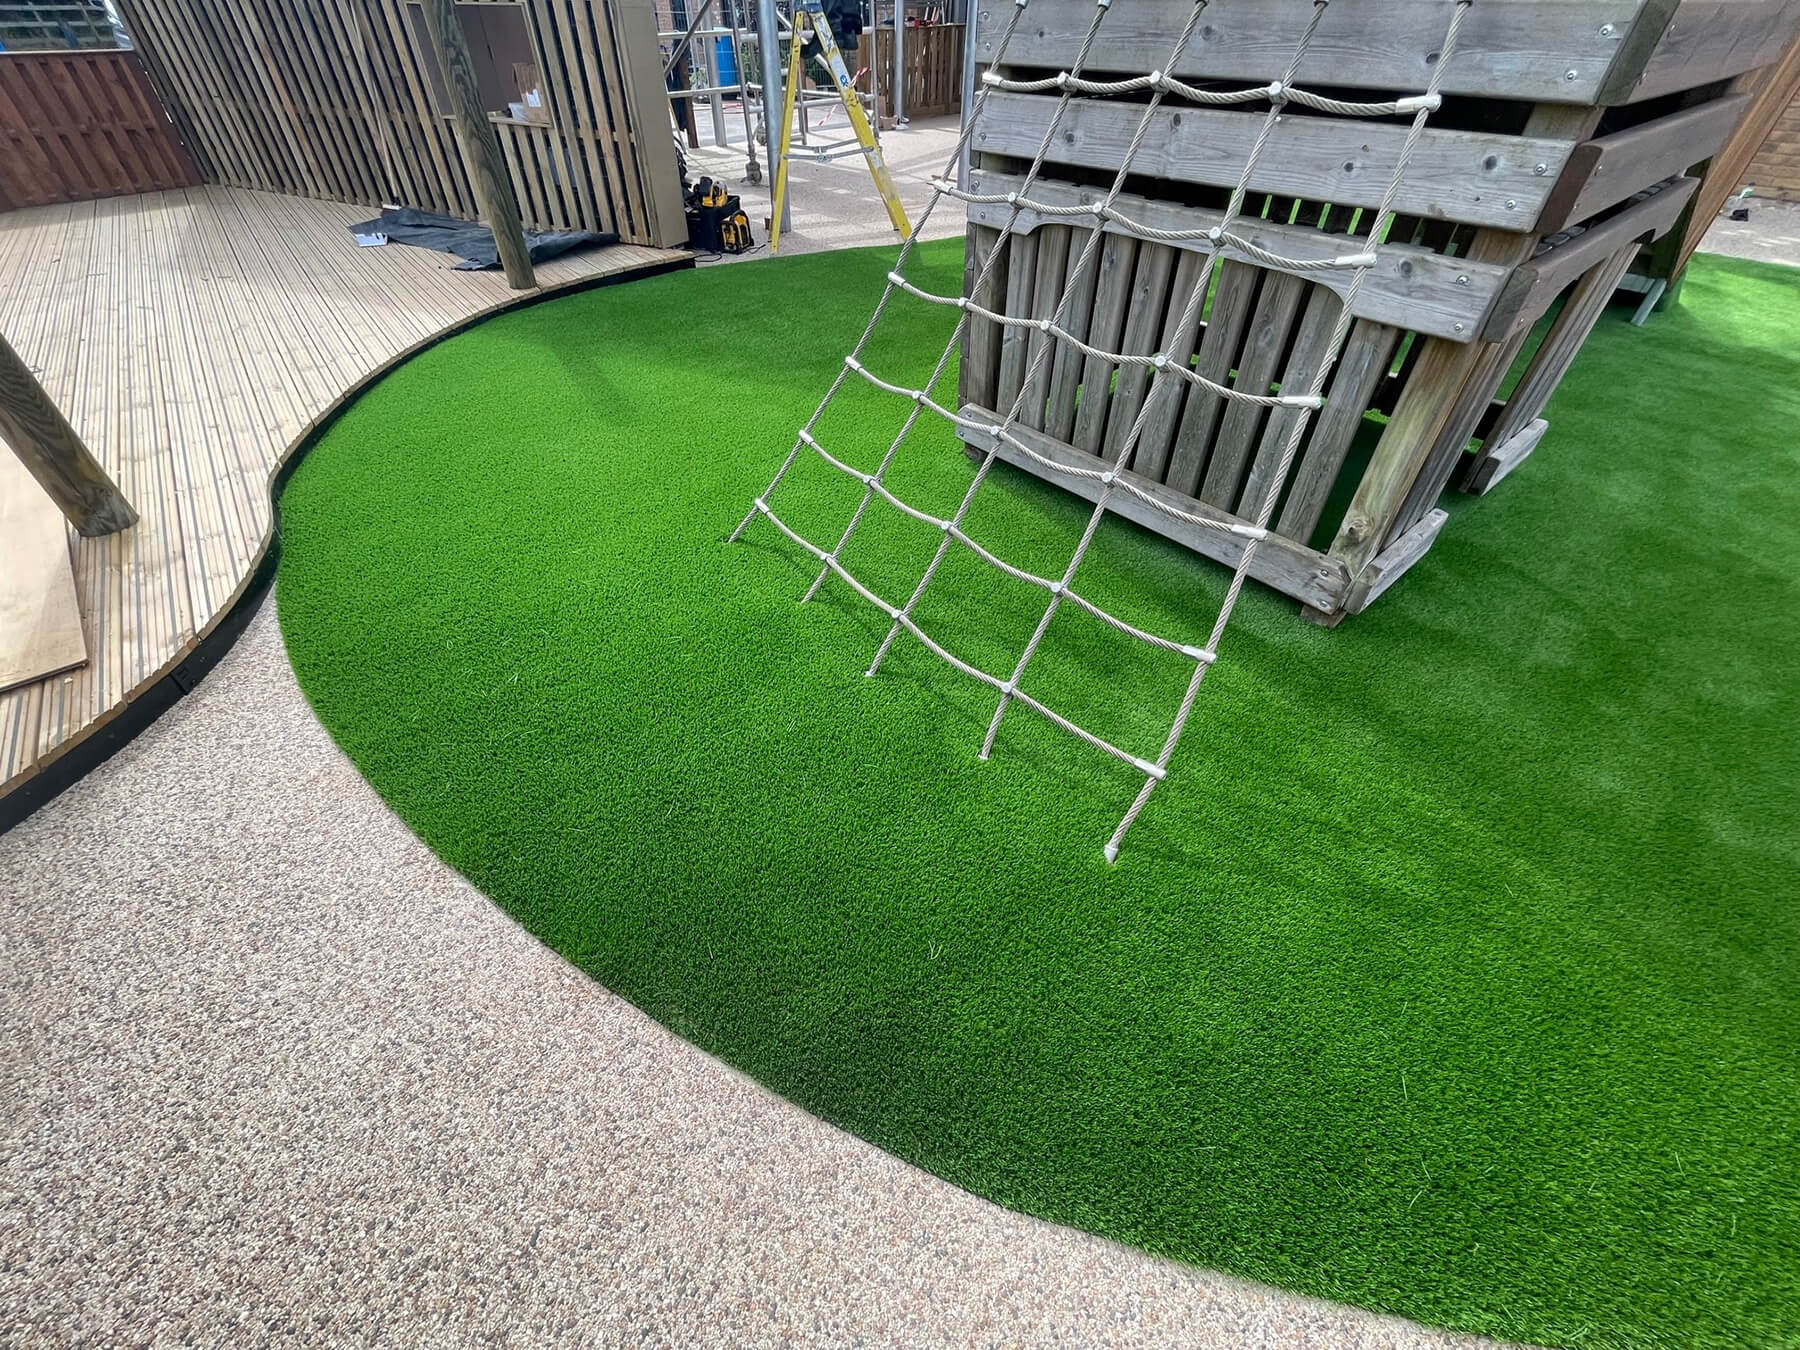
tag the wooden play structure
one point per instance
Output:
(1563, 142)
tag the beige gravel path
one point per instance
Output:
(275, 1075)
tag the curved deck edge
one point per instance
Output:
(109, 734)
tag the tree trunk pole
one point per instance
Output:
(48, 447)
(480, 145)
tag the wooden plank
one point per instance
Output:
(1392, 562)
(1146, 313)
(1112, 292)
(1411, 432)
(40, 623)
(49, 448)
(1265, 347)
(1407, 287)
(1536, 284)
(1233, 296)
(653, 154)
(1586, 303)
(1368, 353)
(1605, 171)
(1079, 285)
(1548, 50)
(1775, 90)
(1470, 402)
(978, 380)
(1506, 457)
(1046, 301)
(1311, 351)
(1021, 275)
(1708, 40)
(1157, 440)
(1481, 178)
(1292, 568)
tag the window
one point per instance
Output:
(506, 64)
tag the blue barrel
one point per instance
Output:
(728, 74)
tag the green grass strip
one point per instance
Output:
(1454, 971)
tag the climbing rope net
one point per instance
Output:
(1165, 374)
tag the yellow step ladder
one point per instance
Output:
(809, 18)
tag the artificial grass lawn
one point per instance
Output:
(1453, 972)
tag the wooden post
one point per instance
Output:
(480, 146)
(50, 449)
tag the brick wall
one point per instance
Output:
(1776, 168)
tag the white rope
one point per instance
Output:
(1112, 477)
(1215, 235)
(1276, 92)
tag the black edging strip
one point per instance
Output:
(153, 700)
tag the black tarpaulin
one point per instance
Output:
(471, 240)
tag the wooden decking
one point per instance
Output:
(193, 337)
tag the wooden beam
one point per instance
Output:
(1295, 569)
(1708, 40)
(1391, 563)
(48, 446)
(1535, 285)
(1408, 287)
(480, 146)
(1474, 177)
(1418, 422)
(1529, 50)
(1774, 90)
(1605, 171)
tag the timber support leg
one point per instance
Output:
(49, 447)
(480, 144)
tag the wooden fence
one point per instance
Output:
(342, 99)
(934, 65)
(77, 125)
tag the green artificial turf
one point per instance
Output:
(1453, 972)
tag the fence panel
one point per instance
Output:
(83, 124)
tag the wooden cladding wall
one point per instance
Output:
(77, 125)
(336, 99)
(934, 63)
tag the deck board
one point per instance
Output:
(192, 337)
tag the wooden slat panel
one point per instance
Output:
(1605, 171)
(1467, 176)
(1151, 458)
(1265, 346)
(336, 98)
(1408, 287)
(1112, 292)
(1368, 352)
(80, 125)
(1234, 293)
(1516, 49)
